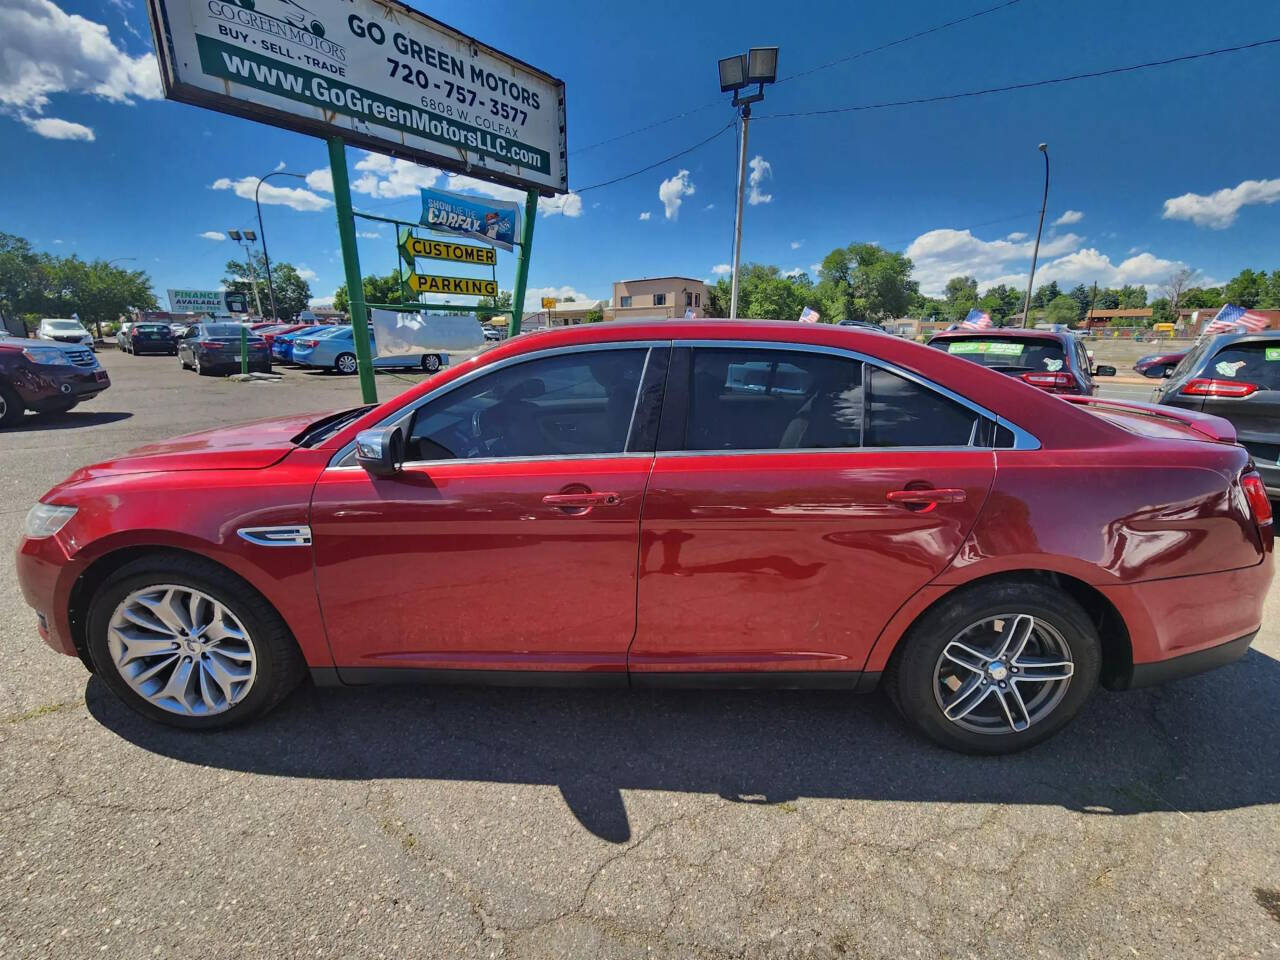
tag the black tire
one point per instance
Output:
(345, 363)
(909, 679)
(280, 666)
(431, 362)
(201, 370)
(11, 408)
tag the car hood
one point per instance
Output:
(245, 446)
(21, 343)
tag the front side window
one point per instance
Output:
(571, 404)
(747, 399)
(659, 299)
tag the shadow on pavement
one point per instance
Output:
(73, 419)
(1200, 744)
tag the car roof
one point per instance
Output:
(1224, 339)
(1004, 333)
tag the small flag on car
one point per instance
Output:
(976, 320)
(808, 315)
(1238, 320)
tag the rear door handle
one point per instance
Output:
(588, 499)
(927, 496)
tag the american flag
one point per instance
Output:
(808, 315)
(1237, 319)
(976, 320)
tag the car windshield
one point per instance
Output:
(70, 326)
(321, 430)
(1008, 354)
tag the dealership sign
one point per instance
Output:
(219, 303)
(411, 248)
(380, 75)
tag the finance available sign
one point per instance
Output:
(218, 303)
(378, 74)
(462, 286)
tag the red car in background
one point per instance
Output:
(1158, 365)
(1054, 361)
(269, 333)
(678, 503)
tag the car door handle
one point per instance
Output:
(586, 499)
(926, 496)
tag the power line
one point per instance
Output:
(635, 173)
(1025, 85)
(804, 73)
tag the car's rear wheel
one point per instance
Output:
(200, 371)
(345, 363)
(10, 406)
(185, 642)
(996, 668)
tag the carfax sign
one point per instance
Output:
(378, 74)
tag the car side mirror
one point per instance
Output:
(380, 451)
(1103, 370)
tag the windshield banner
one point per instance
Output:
(995, 348)
(495, 222)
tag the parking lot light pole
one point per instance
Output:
(759, 65)
(1035, 255)
(262, 233)
(245, 240)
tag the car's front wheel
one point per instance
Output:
(996, 668)
(345, 363)
(431, 363)
(186, 642)
(10, 406)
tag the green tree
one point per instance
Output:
(775, 298)
(1202, 298)
(1061, 309)
(1246, 289)
(595, 315)
(1162, 311)
(489, 307)
(22, 281)
(1083, 296)
(384, 289)
(1132, 298)
(1001, 302)
(293, 294)
(864, 282)
(1046, 294)
(1108, 299)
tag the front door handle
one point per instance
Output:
(579, 500)
(926, 497)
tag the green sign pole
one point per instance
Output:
(522, 261)
(351, 264)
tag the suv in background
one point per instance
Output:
(45, 377)
(1053, 360)
(1235, 376)
(61, 330)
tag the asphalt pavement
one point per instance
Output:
(568, 823)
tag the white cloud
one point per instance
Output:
(722, 269)
(279, 167)
(568, 204)
(391, 177)
(939, 255)
(814, 268)
(295, 197)
(794, 272)
(645, 215)
(307, 274)
(709, 206)
(1016, 237)
(320, 302)
(1219, 209)
(671, 192)
(533, 296)
(1069, 216)
(214, 235)
(321, 180)
(368, 235)
(45, 51)
(56, 129)
(797, 244)
(761, 170)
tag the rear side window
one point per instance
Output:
(1256, 363)
(1010, 354)
(744, 399)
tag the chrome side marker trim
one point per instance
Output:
(298, 535)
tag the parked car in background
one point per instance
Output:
(122, 332)
(61, 330)
(179, 329)
(1011, 550)
(1237, 377)
(269, 334)
(45, 377)
(157, 338)
(337, 352)
(1052, 360)
(213, 348)
(1158, 365)
(282, 344)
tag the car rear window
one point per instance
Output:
(218, 330)
(1008, 354)
(149, 328)
(1256, 363)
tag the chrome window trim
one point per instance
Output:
(347, 451)
(1023, 440)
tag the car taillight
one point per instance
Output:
(1049, 381)
(305, 343)
(209, 344)
(1255, 492)
(1204, 387)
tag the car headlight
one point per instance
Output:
(49, 356)
(46, 519)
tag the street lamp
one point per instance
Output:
(1035, 255)
(759, 65)
(271, 291)
(247, 242)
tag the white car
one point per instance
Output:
(64, 331)
(124, 328)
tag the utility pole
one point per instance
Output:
(1026, 307)
(737, 218)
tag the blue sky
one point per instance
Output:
(1151, 170)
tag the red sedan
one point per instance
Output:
(680, 503)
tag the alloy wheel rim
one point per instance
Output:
(347, 364)
(1002, 674)
(181, 650)
(4, 406)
